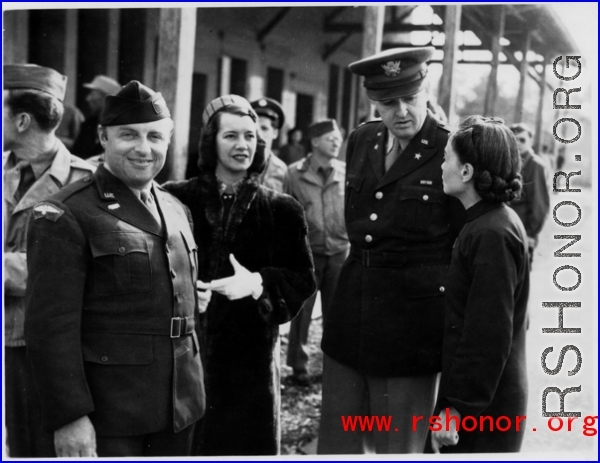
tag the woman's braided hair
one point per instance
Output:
(491, 148)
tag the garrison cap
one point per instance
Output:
(393, 73)
(322, 127)
(222, 101)
(104, 84)
(270, 108)
(34, 77)
(134, 104)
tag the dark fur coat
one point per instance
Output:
(267, 233)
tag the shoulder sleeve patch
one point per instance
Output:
(47, 211)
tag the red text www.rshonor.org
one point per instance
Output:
(466, 423)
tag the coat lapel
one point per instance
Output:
(420, 149)
(119, 201)
(376, 151)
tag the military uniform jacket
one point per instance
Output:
(110, 310)
(274, 173)
(65, 169)
(387, 314)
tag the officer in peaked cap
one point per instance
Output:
(270, 120)
(112, 300)
(382, 337)
(35, 165)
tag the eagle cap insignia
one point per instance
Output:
(392, 68)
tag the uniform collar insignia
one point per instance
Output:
(109, 195)
(417, 156)
(425, 141)
(114, 206)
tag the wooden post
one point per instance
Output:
(70, 64)
(372, 38)
(446, 92)
(523, 68)
(16, 38)
(492, 87)
(537, 136)
(174, 72)
(112, 45)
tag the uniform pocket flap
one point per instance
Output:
(118, 243)
(422, 194)
(355, 182)
(117, 349)
(189, 241)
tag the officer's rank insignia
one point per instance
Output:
(114, 206)
(426, 182)
(109, 195)
(417, 156)
(159, 105)
(47, 211)
(392, 68)
(425, 142)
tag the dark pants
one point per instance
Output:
(159, 444)
(350, 394)
(25, 436)
(327, 272)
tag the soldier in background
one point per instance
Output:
(35, 165)
(270, 119)
(533, 205)
(87, 143)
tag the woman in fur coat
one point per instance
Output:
(256, 268)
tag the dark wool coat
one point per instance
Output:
(267, 233)
(106, 282)
(387, 316)
(484, 365)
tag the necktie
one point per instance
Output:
(394, 153)
(148, 200)
(18, 180)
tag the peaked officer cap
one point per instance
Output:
(34, 77)
(270, 108)
(394, 73)
(134, 104)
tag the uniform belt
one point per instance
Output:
(399, 259)
(173, 327)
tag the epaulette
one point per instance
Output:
(74, 187)
(79, 163)
(369, 122)
(444, 126)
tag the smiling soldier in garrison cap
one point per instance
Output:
(382, 336)
(112, 299)
(35, 165)
(270, 120)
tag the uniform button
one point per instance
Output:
(425, 197)
(173, 273)
(121, 250)
(104, 358)
(373, 217)
(379, 195)
(442, 289)
(368, 238)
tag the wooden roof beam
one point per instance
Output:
(262, 34)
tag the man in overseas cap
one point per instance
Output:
(35, 165)
(270, 119)
(87, 143)
(317, 182)
(112, 299)
(382, 336)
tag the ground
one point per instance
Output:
(301, 406)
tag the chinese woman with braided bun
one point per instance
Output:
(484, 367)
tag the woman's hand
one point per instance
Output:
(204, 295)
(242, 284)
(443, 437)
